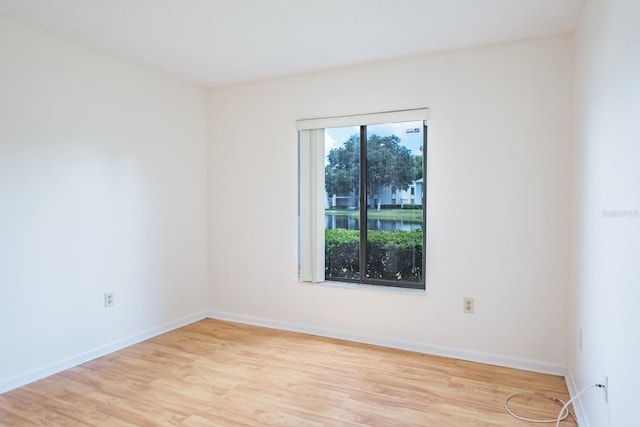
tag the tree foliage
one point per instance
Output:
(417, 160)
(389, 164)
(342, 173)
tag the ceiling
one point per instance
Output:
(222, 42)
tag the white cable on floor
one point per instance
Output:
(566, 405)
(564, 410)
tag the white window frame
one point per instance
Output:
(311, 180)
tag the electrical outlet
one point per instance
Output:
(108, 299)
(467, 305)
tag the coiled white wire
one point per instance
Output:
(564, 412)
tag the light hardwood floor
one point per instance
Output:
(215, 373)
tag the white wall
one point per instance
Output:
(606, 267)
(102, 188)
(498, 196)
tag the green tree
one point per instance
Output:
(417, 161)
(342, 173)
(389, 164)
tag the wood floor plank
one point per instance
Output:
(215, 373)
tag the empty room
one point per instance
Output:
(319, 212)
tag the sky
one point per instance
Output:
(334, 137)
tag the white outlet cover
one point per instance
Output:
(468, 305)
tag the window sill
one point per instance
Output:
(374, 288)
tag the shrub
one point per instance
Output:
(341, 253)
(410, 206)
(397, 206)
(392, 255)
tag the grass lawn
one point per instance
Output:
(391, 214)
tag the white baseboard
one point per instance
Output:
(456, 353)
(577, 404)
(54, 368)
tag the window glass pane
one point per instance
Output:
(342, 217)
(394, 202)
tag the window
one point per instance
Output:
(362, 213)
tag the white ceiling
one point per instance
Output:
(221, 42)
